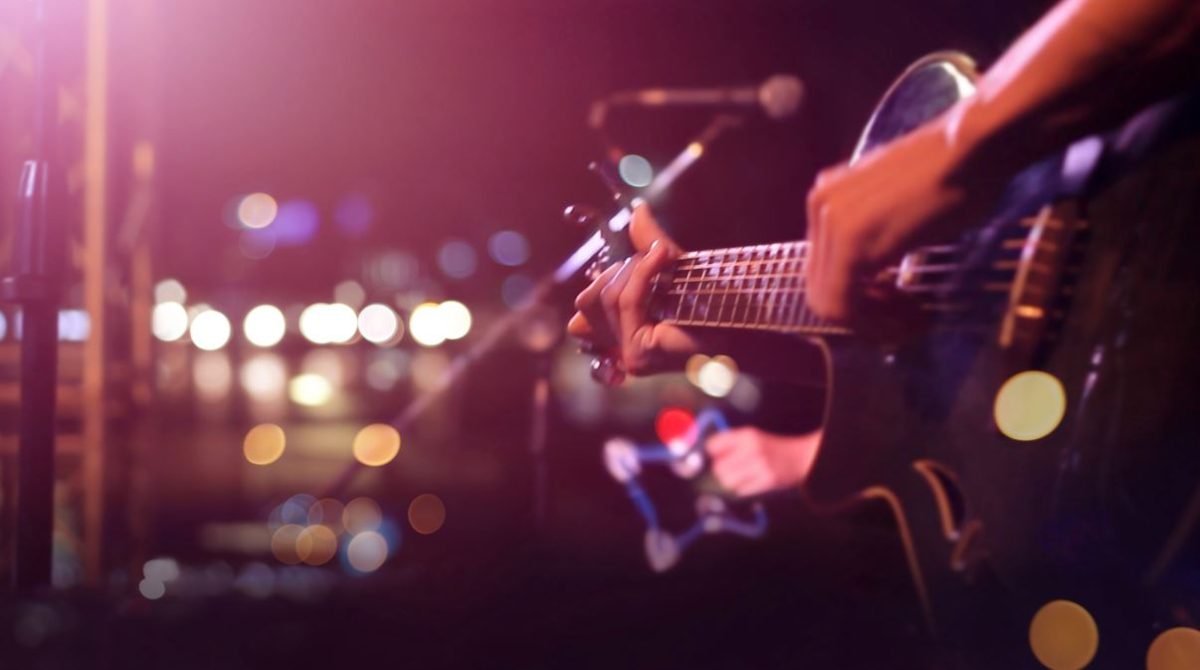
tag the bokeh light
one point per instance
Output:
(349, 292)
(427, 513)
(169, 321)
(322, 323)
(264, 326)
(360, 515)
(457, 259)
(283, 543)
(213, 376)
(294, 510)
(331, 364)
(353, 215)
(425, 325)
(673, 425)
(310, 390)
(717, 376)
(692, 368)
(296, 223)
(1175, 649)
(170, 290)
(392, 270)
(257, 243)
(316, 545)
(257, 210)
(327, 512)
(3, 325)
(210, 330)
(379, 324)
(386, 368)
(1030, 405)
(635, 170)
(454, 319)
(264, 444)
(367, 551)
(264, 377)
(508, 247)
(515, 288)
(429, 369)
(152, 589)
(376, 444)
(74, 325)
(1063, 636)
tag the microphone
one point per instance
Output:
(779, 96)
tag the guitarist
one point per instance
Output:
(1084, 67)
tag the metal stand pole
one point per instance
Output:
(34, 285)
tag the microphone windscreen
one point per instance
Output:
(781, 95)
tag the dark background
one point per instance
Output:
(457, 119)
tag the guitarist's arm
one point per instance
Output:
(1082, 68)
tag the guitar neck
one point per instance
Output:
(754, 288)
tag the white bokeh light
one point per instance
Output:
(379, 324)
(210, 330)
(169, 321)
(264, 326)
(425, 325)
(455, 319)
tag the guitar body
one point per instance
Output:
(1099, 510)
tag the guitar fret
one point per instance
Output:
(759, 287)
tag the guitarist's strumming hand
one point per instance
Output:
(613, 310)
(861, 218)
(748, 461)
(1083, 68)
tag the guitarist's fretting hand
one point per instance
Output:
(613, 309)
(614, 318)
(1084, 66)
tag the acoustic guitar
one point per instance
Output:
(1040, 438)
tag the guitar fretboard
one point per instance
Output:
(757, 287)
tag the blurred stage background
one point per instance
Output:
(285, 220)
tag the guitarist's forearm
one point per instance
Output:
(1081, 69)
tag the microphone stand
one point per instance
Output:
(34, 285)
(609, 230)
